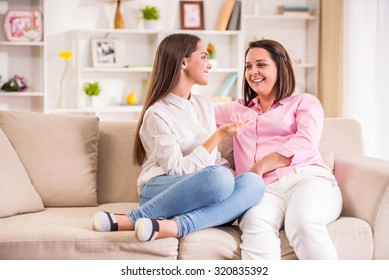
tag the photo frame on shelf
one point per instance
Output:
(23, 26)
(192, 15)
(104, 52)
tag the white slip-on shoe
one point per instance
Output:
(146, 229)
(104, 221)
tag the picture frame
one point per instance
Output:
(104, 52)
(192, 15)
(23, 26)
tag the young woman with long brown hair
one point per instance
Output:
(184, 185)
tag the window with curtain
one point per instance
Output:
(366, 71)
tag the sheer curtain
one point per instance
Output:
(366, 71)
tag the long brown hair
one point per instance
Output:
(166, 70)
(286, 81)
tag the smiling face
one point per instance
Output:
(197, 65)
(261, 73)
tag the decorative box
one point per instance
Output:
(23, 25)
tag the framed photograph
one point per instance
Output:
(23, 26)
(104, 52)
(192, 15)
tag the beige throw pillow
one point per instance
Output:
(17, 194)
(59, 153)
(329, 159)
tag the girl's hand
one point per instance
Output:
(235, 127)
(256, 168)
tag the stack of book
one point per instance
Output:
(229, 17)
(294, 10)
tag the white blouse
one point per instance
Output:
(172, 133)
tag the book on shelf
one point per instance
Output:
(225, 14)
(299, 14)
(234, 22)
(294, 10)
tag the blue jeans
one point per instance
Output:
(209, 197)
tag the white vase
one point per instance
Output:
(151, 24)
(91, 101)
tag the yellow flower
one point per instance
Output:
(65, 54)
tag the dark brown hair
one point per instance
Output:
(286, 81)
(166, 70)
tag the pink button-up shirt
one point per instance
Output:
(291, 127)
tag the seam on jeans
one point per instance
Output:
(332, 180)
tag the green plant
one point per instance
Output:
(92, 89)
(150, 13)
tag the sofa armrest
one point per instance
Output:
(364, 182)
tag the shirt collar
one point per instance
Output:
(255, 103)
(180, 102)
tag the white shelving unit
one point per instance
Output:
(134, 53)
(136, 49)
(25, 59)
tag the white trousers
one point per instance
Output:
(302, 202)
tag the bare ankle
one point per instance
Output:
(167, 228)
(124, 223)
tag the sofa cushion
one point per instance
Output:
(59, 154)
(217, 243)
(17, 194)
(65, 233)
(329, 159)
(117, 179)
(220, 243)
(345, 233)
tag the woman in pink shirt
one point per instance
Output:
(282, 146)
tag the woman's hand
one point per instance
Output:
(235, 127)
(269, 163)
(257, 168)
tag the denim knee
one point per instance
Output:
(252, 186)
(220, 182)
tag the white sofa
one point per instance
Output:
(57, 171)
